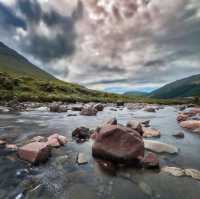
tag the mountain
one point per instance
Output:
(187, 87)
(23, 81)
(13, 63)
(136, 93)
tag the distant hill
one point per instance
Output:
(13, 63)
(136, 93)
(187, 87)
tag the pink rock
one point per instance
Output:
(119, 144)
(182, 117)
(151, 161)
(35, 152)
(11, 147)
(148, 132)
(53, 142)
(56, 140)
(62, 139)
(190, 124)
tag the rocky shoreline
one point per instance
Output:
(113, 145)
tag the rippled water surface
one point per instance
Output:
(62, 178)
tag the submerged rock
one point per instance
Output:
(148, 133)
(159, 147)
(135, 125)
(179, 135)
(174, 171)
(35, 152)
(190, 124)
(195, 174)
(178, 172)
(150, 161)
(119, 144)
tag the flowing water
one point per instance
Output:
(62, 178)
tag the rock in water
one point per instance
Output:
(135, 125)
(148, 133)
(159, 147)
(150, 109)
(190, 124)
(99, 107)
(81, 159)
(118, 144)
(195, 174)
(35, 152)
(182, 117)
(179, 135)
(174, 171)
(81, 134)
(89, 111)
(151, 161)
(2, 142)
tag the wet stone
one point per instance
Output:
(81, 159)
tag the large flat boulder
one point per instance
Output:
(118, 144)
(190, 124)
(159, 147)
(35, 152)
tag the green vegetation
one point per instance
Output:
(136, 93)
(188, 87)
(26, 88)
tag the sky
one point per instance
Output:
(112, 45)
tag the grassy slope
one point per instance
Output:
(182, 88)
(13, 63)
(136, 93)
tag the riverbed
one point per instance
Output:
(61, 177)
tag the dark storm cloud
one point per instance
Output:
(30, 9)
(43, 47)
(8, 19)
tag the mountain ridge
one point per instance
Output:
(186, 87)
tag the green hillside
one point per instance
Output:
(136, 93)
(13, 63)
(187, 87)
